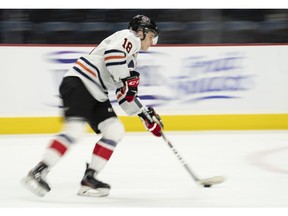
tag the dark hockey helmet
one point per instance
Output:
(144, 23)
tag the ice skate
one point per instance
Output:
(90, 186)
(35, 180)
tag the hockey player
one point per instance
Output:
(84, 92)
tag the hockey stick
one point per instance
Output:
(208, 182)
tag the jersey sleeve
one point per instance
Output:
(131, 108)
(121, 47)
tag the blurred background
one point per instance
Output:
(177, 26)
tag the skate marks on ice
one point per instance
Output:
(144, 173)
(274, 160)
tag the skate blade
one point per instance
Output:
(33, 186)
(91, 192)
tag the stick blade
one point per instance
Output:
(211, 181)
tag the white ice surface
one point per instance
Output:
(145, 173)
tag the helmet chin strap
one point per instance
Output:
(144, 31)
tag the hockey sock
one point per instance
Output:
(102, 152)
(56, 150)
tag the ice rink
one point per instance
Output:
(144, 173)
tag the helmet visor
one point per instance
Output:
(155, 40)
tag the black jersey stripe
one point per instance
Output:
(97, 70)
(86, 76)
(115, 63)
(114, 51)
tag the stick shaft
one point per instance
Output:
(180, 158)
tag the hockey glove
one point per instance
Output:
(130, 86)
(151, 121)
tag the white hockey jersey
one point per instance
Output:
(107, 64)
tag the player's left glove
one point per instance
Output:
(151, 121)
(130, 86)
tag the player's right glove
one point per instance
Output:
(130, 86)
(151, 121)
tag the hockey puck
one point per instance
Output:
(207, 185)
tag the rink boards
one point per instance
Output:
(213, 87)
(28, 125)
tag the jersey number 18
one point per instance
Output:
(127, 45)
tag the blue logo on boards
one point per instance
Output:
(64, 57)
(206, 78)
(199, 78)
